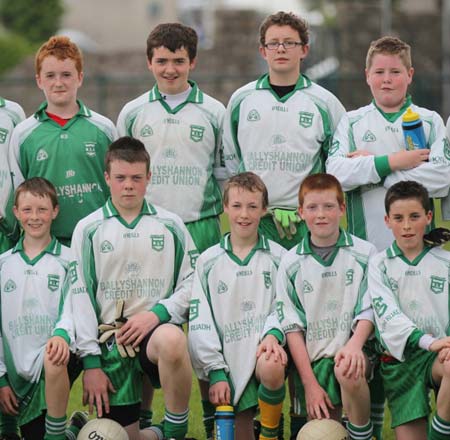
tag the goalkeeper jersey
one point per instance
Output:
(231, 310)
(367, 178)
(32, 310)
(283, 140)
(324, 298)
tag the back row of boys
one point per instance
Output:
(181, 128)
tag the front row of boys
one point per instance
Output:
(323, 307)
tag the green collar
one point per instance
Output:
(109, 210)
(394, 251)
(263, 82)
(304, 247)
(261, 244)
(41, 114)
(53, 248)
(2, 102)
(392, 117)
(196, 95)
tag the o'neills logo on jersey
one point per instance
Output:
(106, 247)
(193, 309)
(437, 284)
(267, 279)
(369, 137)
(222, 287)
(157, 242)
(3, 134)
(307, 288)
(41, 155)
(253, 116)
(305, 119)
(53, 282)
(197, 133)
(146, 131)
(89, 148)
(10, 286)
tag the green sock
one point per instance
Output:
(55, 428)
(208, 417)
(145, 418)
(8, 424)
(176, 425)
(360, 432)
(439, 429)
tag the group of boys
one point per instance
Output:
(137, 211)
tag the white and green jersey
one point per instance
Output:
(283, 140)
(231, 310)
(324, 299)
(185, 147)
(410, 298)
(11, 114)
(71, 157)
(148, 263)
(32, 310)
(367, 178)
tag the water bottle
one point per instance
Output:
(224, 423)
(413, 131)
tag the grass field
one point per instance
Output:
(195, 420)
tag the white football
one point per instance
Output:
(325, 429)
(102, 429)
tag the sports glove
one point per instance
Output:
(437, 236)
(285, 221)
(107, 331)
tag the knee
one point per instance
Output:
(349, 384)
(170, 344)
(270, 373)
(53, 371)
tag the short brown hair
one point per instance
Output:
(129, 150)
(173, 36)
(389, 46)
(284, 19)
(61, 48)
(38, 186)
(248, 181)
(320, 182)
(404, 190)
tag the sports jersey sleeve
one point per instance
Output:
(65, 326)
(82, 279)
(393, 327)
(175, 308)
(351, 172)
(203, 339)
(290, 311)
(434, 174)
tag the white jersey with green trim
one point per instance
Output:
(324, 298)
(185, 149)
(283, 140)
(11, 114)
(409, 295)
(146, 262)
(231, 309)
(32, 309)
(367, 178)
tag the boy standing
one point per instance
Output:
(180, 127)
(280, 126)
(325, 310)
(63, 141)
(11, 114)
(140, 257)
(36, 322)
(368, 154)
(233, 337)
(409, 287)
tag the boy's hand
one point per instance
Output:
(96, 385)
(444, 355)
(220, 393)
(136, 328)
(8, 401)
(407, 159)
(352, 359)
(439, 344)
(359, 153)
(270, 346)
(58, 351)
(317, 401)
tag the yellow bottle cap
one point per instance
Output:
(410, 116)
(227, 408)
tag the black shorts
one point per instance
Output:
(149, 368)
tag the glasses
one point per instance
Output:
(286, 45)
